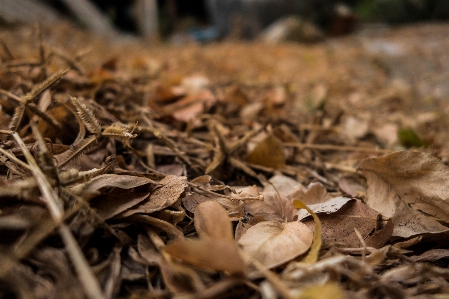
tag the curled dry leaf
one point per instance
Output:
(412, 188)
(92, 187)
(380, 237)
(110, 205)
(164, 196)
(313, 254)
(216, 248)
(274, 243)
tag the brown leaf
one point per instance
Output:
(411, 187)
(339, 226)
(192, 200)
(212, 221)
(269, 153)
(381, 237)
(315, 193)
(274, 243)
(212, 254)
(164, 196)
(110, 205)
(432, 255)
(179, 278)
(216, 248)
(327, 207)
(352, 185)
(92, 187)
(278, 193)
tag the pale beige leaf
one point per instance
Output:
(212, 220)
(315, 193)
(279, 192)
(273, 243)
(411, 187)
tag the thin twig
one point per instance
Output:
(11, 95)
(14, 159)
(332, 147)
(6, 132)
(362, 242)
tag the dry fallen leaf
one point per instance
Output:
(274, 243)
(278, 195)
(207, 215)
(216, 248)
(339, 216)
(315, 193)
(170, 189)
(269, 153)
(313, 254)
(328, 207)
(92, 187)
(410, 187)
(110, 205)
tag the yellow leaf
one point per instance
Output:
(312, 256)
(329, 290)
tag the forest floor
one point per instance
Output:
(227, 170)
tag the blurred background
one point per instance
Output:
(209, 20)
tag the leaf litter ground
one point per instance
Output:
(234, 170)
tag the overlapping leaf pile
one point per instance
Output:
(147, 186)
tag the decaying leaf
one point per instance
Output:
(410, 187)
(274, 243)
